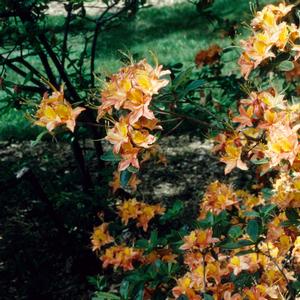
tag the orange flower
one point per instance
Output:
(255, 101)
(282, 143)
(142, 212)
(121, 256)
(232, 158)
(164, 254)
(147, 213)
(129, 156)
(185, 287)
(101, 236)
(287, 191)
(132, 88)
(218, 197)
(198, 239)
(115, 184)
(258, 292)
(118, 135)
(245, 117)
(275, 281)
(246, 64)
(134, 182)
(275, 230)
(243, 262)
(55, 111)
(269, 15)
(147, 123)
(142, 138)
(129, 209)
(296, 252)
(138, 104)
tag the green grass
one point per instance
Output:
(175, 34)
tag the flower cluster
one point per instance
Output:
(213, 265)
(121, 256)
(164, 254)
(270, 36)
(267, 134)
(218, 197)
(287, 191)
(55, 110)
(130, 92)
(140, 211)
(101, 237)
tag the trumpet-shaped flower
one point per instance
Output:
(129, 155)
(118, 135)
(199, 239)
(232, 158)
(121, 256)
(282, 143)
(55, 111)
(142, 212)
(101, 236)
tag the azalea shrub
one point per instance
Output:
(242, 244)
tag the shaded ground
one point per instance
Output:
(35, 252)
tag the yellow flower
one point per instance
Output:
(118, 135)
(232, 158)
(121, 256)
(198, 239)
(55, 111)
(142, 212)
(101, 236)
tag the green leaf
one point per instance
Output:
(173, 212)
(235, 232)
(182, 297)
(194, 85)
(253, 229)
(286, 66)
(105, 296)
(100, 282)
(296, 285)
(260, 161)
(208, 222)
(208, 297)
(142, 244)
(251, 214)
(139, 295)
(124, 178)
(182, 78)
(293, 218)
(132, 169)
(267, 210)
(110, 156)
(292, 214)
(124, 289)
(154, 238)
(267, 193)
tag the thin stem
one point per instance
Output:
(69, 8)
(200, 122)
